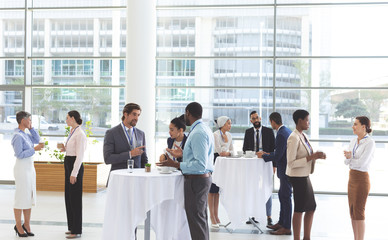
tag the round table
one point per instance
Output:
(131, 196)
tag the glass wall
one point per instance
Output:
(57, 60)
(279, 56)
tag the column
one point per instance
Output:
(140, 65)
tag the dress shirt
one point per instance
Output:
(23, 143)
(198, 153)
(220, 145)
(260, 138)
(76, 146)
(362, 154)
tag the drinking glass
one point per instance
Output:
(130, 165)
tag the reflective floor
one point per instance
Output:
(331, 219)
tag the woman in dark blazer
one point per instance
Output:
(300, 164)
(177, 137)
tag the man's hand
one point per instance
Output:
(168, 163)
(176, 153)
(162, 157)
(348, 154)
(260, 154)
(225, 154)
(137, 151)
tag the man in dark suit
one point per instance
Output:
(256, 139)
(279, 157)
(124, 141)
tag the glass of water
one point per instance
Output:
(130, 165)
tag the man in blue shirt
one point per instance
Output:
(196, 166)
(279, 157)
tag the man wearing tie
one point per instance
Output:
(260, 138)
(279, 157)
(125, 141)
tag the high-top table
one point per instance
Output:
(133, 197)
(245, 186)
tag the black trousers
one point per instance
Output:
(73, 197)
(196, 191)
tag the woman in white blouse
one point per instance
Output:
(222, 147)
(359, 157)
(75, 147)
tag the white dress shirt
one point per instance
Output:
(76, 146)
(220, 145)
(362, 154)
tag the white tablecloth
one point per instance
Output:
(245, 186)
(131, 195)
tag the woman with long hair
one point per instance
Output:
(359, 156)
(75, 148)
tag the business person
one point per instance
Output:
(255, 139)
(359, 156)
(24, 172)
(223, 147)
(125, 141)
(300, 164)
(197, 166)
(177, 137)
(75, 148)
(279, 157)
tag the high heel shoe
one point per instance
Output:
(19, 234)
(28, 233)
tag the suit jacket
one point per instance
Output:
(116, 148)
(297, 151)
(170, 142)
(267, 138)
(279, 156)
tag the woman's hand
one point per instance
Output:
(348, 154)
(73, 180)
(315, 156)
(176, 153)
(162, 158)
(225, 154)
(39, 147)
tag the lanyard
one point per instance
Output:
(308, 144)
(221, 136)
(71, 134)
(130, 139)
(193, 128)
(356, 146)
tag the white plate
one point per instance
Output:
(166, 172)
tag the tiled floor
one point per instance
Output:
(49, 222)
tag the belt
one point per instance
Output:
(205, 175)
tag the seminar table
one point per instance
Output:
(133, 197)
(245, 186)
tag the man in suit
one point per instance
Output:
(125, 141)
(260, 138)
(279, 157)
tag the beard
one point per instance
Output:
(257, 124)
(133, 123)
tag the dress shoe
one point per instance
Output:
(30, 234)
(274, 227)
(269, 221)
(73, 236)
(253, 218)
(19, 234)
(281, 231)
(215, 225)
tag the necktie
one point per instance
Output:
(257, 141)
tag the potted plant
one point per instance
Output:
(148, 167)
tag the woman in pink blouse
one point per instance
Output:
(75, 147)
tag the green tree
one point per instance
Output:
(351, 108)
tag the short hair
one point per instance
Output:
(77, 117)
(299, 114)
(22, 115)
(194, 109)
(253, 112)
(178, 123)
(276, 117)
(129, 108)
(366, 122)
